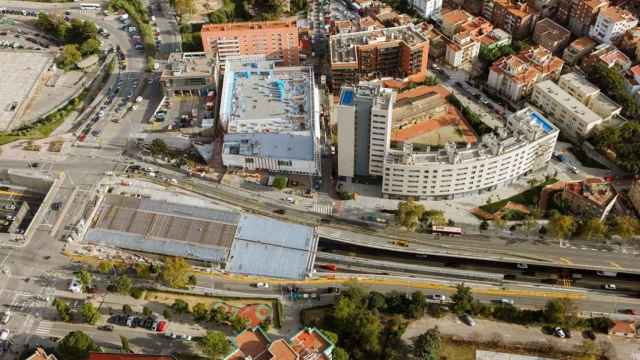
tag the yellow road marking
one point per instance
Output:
(566, 261)
(615, 265)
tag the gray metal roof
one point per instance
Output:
(268, 247)
(272, 145)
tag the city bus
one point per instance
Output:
(87, 6)
(446, 230)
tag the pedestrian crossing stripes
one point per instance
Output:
(44, 327)
(325, 209)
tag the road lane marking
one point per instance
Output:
(566, 261)
(615, 265)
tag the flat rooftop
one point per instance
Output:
(21, 71)
(568, 102)
(343, 46)
(257, 97)
(188, 64)
(276, 146)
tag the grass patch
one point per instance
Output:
(585, 159)
(457, 351)
(527, 198)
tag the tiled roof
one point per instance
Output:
(119, 356)
(621, 326)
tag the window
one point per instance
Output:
(248, 160)
(284, 163)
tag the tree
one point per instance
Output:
(410, 213)
(626, 226)
(158, 147)
(176, 272)
(90, 47)
(90, 314)
(462, 299)
(180, 306)
(167, 314)
(358, 327)
(435, 217)
(76, 346)
(218, 315)
(280, 182)
(105, 267)
(340, 354)
(200, 312)
(126, 308)
(560, 312)
(427, 345)
(239, 323)
(124, 343)
(70, 56)
(377, 301)
(122, 284)
(85, 278)
(484, 225)
(593, 228)
(417, 306)
(80, 31)
(64, 311)
(561, 226)
(146, 311)
(214, 344)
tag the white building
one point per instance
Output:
(463, 49)
(525, 144)
(611, 24)
(590, 95)
(271, 116)
(570, 115)
(364, 126)
(428, 8)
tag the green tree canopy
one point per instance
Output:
(214, 344)
(90, 314)
(626, 226)
(176, 272)
(560, 312)
(158, 147)
(427, 345)
(561, 226)
(200, 312)
(85, 278)
(76, 346)
(462, 299)
(70, 56)
(410, 213)
(593, 228)
(105, 267)
(90, 47)
(340, 354)
(122, 284)
(622, 144)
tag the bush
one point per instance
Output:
(137, 292)
(280, 182)
(180, 306)
(126, 308)
(146, 311)
(167, 314)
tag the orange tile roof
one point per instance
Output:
(455, 16)
(621, 326)
(421, 91)
(616, 14)
(635, 70)
(282, 351)
(583, 42)
(252, 343)
(452, 117)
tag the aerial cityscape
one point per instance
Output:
(320, 179)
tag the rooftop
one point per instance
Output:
(270, 145)
(542, 59)
(249, 25)
(343, 46)
(258, 239)
(21, 71)
(623, 326)
(308, 343)
(589, 94)
(552, 31)
(492, 355)
(598, 191)
(516, 8)
(611, 56)
(188, 64)
(582, 43)
(250, 342)
(568, 102)
(617, 14)
(40, 354)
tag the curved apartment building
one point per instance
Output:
(526, 143)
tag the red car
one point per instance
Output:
(162, 326)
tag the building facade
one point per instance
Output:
(551, 35)
(579, 15)
(612, 23)
(577, 50)
(188, 74)
(464, 32)
(392, 52)
(607, 55)
(428, 8)
(276, 40)
(515, 17)
(525, 144)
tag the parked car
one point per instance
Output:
(628, 311)
(437, 297)
(504, 301)
(6, 316)
(467, 319)
(559, 332)
(262, 285)
(106, 327)
(609, 286)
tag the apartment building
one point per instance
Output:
(188, 74)
(464, 32)
(579, 15)
(526, 143)
(494, 39)
(577, 50)
(271, 116)
(590, 198)
(392, 52)
(514, 76)
(571, 116)
(428, 8)
(631, 42)
(363, 116)
(551, 35)
(308, 343)
(632, 82)
(612, 23)
(276, 40)
(515, 17)
(608, 55)
(590, 95)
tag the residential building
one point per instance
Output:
(579, 15)
(368, 23)
(632, 82)
(611, 24)
(577, 50)
(124, 356)
(631, 42)
(590, 95)
(634, 194)
(40, 354)
(363, 116)
(546, 8)
(589, 198)
(514, 76)
(551, 35)
(453, 20)
(392, 52)
(625, 328)
(515, 17)
(191, 73)
(608, 55)
(464, 45)
(526, 143)
(271, 116)
(494, 39)
(428, 8)
(277, 40)
(574, 118)
(309, 343)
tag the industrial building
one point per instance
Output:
(271, 116)
(233, 241)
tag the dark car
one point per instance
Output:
(628, 311)
(56, 205)
(279, 211)
(106, 327)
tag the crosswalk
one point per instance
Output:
(324, 209)
(44, 327)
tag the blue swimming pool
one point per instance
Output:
(541, 121)
(346, 98)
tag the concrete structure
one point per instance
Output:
(611, 24)
(607, 55)
(623, 328)
(464, 32)
(276, 40)
(634, 194)
(590, 198)
(394, 52)
(574, 118)
(577, 50)
(309, 343)
(364, 129)
(22, 74)
(579, 15)
(590, 95)
(514, 76)
(551, 35)
(271, 116)
(188, 74)
(428, 8)
(515, 17)
(526, 143)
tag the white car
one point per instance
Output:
(610, 286)
(75, 286)
(4, 335)
(522, 266)
(559, 332)
(261, 285)
(505, 301)
(437, 297)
